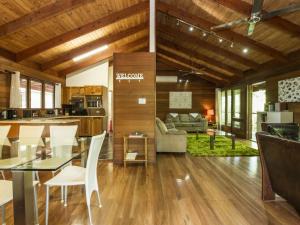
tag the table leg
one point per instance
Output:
(233, 141)
(23, 198)
(212, 142)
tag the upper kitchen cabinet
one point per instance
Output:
(93, 90)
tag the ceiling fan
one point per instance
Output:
(184, 73)
(256, 16)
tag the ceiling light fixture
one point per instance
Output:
(245, 50)
(178, 23)
(90, 53)
(204, 34)
(231, 45)
(220, 40)
(191, 28)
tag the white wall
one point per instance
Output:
(95, 75)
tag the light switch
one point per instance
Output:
(142, 101)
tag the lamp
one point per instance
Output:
(210, 113)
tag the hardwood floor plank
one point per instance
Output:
(178, 190)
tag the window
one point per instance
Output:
(237, 107)
(228, 108)
(223, 107)
(36, 88)
(49, 96)
(23, 91)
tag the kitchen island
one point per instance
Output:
(87, 125)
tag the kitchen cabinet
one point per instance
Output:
(89, 126)
(77, 91)
(93, 90)
(97, 126)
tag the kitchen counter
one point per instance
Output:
(39, 121)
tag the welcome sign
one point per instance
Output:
(129, 76)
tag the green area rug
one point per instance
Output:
(201, 147)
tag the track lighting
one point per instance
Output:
(191, 28)
(245, 50)
(231, 45)
(177, 23)
(204, 34)
(220, 40)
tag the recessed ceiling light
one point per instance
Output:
(191, 28)
(90, 53)
(245, 50)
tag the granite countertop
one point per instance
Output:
(39, 121)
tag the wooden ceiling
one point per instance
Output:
(49, 33)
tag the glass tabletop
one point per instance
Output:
(40, 154)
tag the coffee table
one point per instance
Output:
(212, 137)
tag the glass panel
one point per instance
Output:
(23, 91)
(31, 154)
(49, 96)
(223, 104)
(228, 107)
(35, 94)
(237, 103)
(237, 124)
(258, 105)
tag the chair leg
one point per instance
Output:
(3, 214)
(38, 177)
(99, 200)
(47, 205)
(3, 175)
(66, 195)
(88, 203)
(36, 211)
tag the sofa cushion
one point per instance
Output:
(170, 125)
(188, 124)
(184, 117)
(172, 118)
(161, 125)
(176, 132)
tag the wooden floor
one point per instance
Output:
(178, 190)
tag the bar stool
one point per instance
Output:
(4, 130)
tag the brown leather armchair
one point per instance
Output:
(280, 160)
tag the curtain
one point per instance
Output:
(218, 103)
(15, 100)
(57, 96)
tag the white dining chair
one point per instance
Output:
(4, 130)
(62, 140)
(6, 190)
(31, 136)
(76, 175)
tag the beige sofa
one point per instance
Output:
(191, 122)
(169, 140)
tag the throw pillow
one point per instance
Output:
(162, 127)
(184, 118)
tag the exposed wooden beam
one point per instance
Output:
(92, 45)
(245, 8)
(102, 56)
(7, 54)
(198, 67)
(29, 71)
(191, 60)
(184, 37)
(202, 57)
(175, 62)
(85, 29)
(230, 35)
(41, 14)
(272, 68)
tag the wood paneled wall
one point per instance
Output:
(203, 97)
(272, 93)
(4, 90)
(129, 116)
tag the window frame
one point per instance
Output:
(28, 92)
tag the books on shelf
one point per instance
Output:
(131, 155)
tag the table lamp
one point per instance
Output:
(210, 113)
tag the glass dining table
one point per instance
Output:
(24, 157)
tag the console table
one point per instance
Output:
(141, 157)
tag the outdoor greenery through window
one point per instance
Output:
(223, 108)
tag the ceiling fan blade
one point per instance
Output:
(251, 28)
(257, 8)
(230, 24)
(282, 11)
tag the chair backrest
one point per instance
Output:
(62, 135)
(30, 135)
(92, 160)
(4, 131)
(281, 158)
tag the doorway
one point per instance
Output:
(256, 107)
